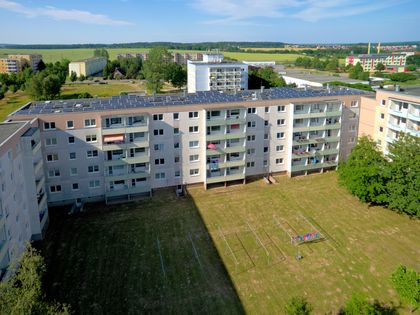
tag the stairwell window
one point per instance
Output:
(94, 184)
(250, 164)
(158, 117)
(280, 135)
(281, 108)
(89, 123)
(194, 158)
(193, 115)
(70, 124)
(93, 169)
(91, 138)
(354, 104)
(159, 161)
(193, 129)
(50, 141)
(194, 144)
(160, 175)
(55, 189)
(158, 132)
(281, 122)
(279, 161)
(252, 110)
(280, 148)
(92, 153)
(250, 138)
(49, 125)
(52, 157)
(194, 172)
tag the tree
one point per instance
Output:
(34, 87)
(411, 68)
(360, 305)
(51, 86)
(404, 169)
(407, 284)
(355, 71)
(365, 172)
(154, 69)
(401, 77)
(266, 77)
(176, 74)
(43, 87)
(41, 65)
(101, 52)
(413, 60)
(380, 67)
(82, 78)
(73, 76)
(332, 64)
(1, 95)
(298, 306)
(22, 293)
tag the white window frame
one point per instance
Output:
(90, 123)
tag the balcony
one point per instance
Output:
(227, 164)
(136, 143)
(303, 167)
(129, 175)
(126, 190)
(140, 158)
(224, 178)
(119, 129)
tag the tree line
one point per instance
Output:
(392, 181)
(329, 64)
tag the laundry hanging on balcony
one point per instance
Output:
(114, 138)
(211, 146)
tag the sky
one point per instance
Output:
(290, 21)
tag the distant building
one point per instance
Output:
(385, 116)
(260, 64)
(15, 63)
(87, 67)
(306, 78)
(394, 62)
(180, 58)
(216, 74)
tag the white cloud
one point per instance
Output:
(242, 11)
(61, 15)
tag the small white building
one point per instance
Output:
(216, 74)
(87, 67)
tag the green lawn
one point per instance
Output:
(222, 251)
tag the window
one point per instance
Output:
(352, 127)
(49, 125)
(159, 161)
(352, 139)
(72, 155)
(265, 122)
(93, 168)
(279, 161)
(250, 164)
(250, 151)
(75, 186)
(280, 148)
(70, 124)
(176, 131)
(71, 139)
(55, 188)
(73, 171)
(252, 110)
(250, 138)
(158, 117)
(194, 144)
(176, 116)
(54, 173)
(177, 173)
(158, 132)
(352, 115)
(52, 157)
(160, 175)
(176, 145)
(91, 138)
(266, 136)
(298, 108)
(265, 163)
(382, 115)
(282, 108)
(265, 149)
(193, 114)
(193, 129)
(280, 135)
(267, 109)
(194, 158)
(251, 124)
(158, 147)
(383, 102)
(194, 172)
(50, 141)
(381, 129)
(94, 184)
(354, 104)
(176, 159)
(281, 122)
(92, 153)
(90, 122)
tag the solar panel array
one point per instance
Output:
(207, 97)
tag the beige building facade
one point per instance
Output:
(87, 67)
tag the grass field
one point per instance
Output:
(278, 48)
(222, 251)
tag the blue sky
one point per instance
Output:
(293, 21)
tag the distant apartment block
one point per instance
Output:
(181, 58)
(88, 67)
(23, 198)
(388, 114)
(216, 74)
(15, 63)
(394, 62)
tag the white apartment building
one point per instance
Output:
(87, 67)
(216, 74)
(394, 62)
(23, 199)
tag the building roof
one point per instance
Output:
(8, 129)
(409, 91)
(318, 77)
(206, 97)
(87, 59)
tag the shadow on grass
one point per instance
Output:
(152, 256)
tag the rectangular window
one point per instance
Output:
(70, 124)
(250, 164)
(266, 136)
(383, 102)
(73, 171)
(265, 149)
(158, 132)
(160, 175)
(158, 117)
(193, 114)
(177, 173)
(252, 110)
(251, 124)
(176, 116)
(193, 129)
(158, 147)
(354, 104)
(352, 115)
(265, 163)
(176, 145)
(352, 139)
(50, 141)
(282, 108)
(91, 138)
(194, 172)
(176, 131)
(250, 151)
(250, 138)
(55, 188)
(280, 135)
(71, 140)
(92, 153)
(381, 129)
(279, 161)
(94, 184)
(75, 186)
(194, 158)
(159, 161)
(382, 116)
(54, 173)
(266, 122)
(281, 122)
(267, 109)
(49, 125)
(176, 159)
(194, 144)
(90, 122)
(93, 169)
(352, 127)
(52, 157)
(72, 155)
(280, 148)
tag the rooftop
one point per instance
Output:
(8, 129)
(88, 59)
(208, 97)
(319, 77)
(409, 91)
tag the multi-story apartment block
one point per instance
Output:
(181, 58)
(10, 65)
(23, 199)
(383, 117)
(15, 63)
(126, 146)
(215, 74)
(87, 67)
(394, 62)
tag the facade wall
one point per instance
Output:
(87, 67)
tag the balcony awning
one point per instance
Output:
(114, 138)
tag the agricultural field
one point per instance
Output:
(278, 48)
(228, 250)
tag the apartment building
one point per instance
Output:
(394, 62)
(181, 58)
(124, 147)
(23, 199)
(88, 67)
(216, 74)
(384, 116)
(15, 63)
